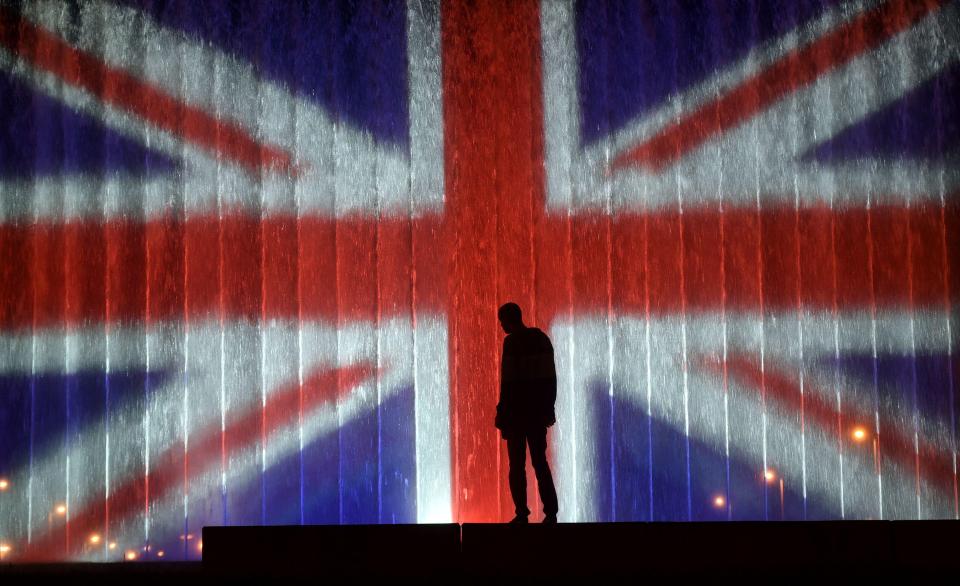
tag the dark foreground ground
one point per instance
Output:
(660, 551)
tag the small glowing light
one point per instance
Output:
(187, 537)
(95, 538)
(130, 555)
(4, 548)
(200, 545)
(769, 475)
(160, 554)
(859, 434)
(113, 545)
(61, 509)
(4, 484)
(719, 501)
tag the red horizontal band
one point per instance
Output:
(87, 272)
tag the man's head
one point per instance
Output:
(510, 318)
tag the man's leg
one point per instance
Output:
(517, 453)
(538, 457)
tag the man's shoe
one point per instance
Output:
(550, 520)
(520, 520)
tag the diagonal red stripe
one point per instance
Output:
(173, 467)
(925, 459)
(790, 73)
(127, 92)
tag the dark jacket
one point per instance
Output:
(528, 382)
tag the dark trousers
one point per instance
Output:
(517, 442)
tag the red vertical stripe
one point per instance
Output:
(491, 110)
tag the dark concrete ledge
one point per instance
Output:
(759, 550)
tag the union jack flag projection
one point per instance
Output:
(253, 251)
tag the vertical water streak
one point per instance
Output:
(217, 97)
(947, 293)
(147, 322)
(608, 287)
(801, 361)
(413, 20)
(261, 333)
(760, 261)
(338, 313)
(33, 407)
(35, 276)
(298, 211)
(646, 336)
(795, 126)
(904, 55)
(103, 220)
(864, 85)
(182, 217)
(835, 293)
(571, 359)
(725, 381)
(65, 217)
(683, 290)
(378, 189)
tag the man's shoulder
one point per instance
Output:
(539, 334)
(526, 340)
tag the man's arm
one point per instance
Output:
(551, 398)
(503, 401)
(546, 379)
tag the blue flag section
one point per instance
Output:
(924, 124)
(343, 477)
(646, 474)
(635, 57)
(350, 57)
(43, 412)
(252, 251)
(41, 137)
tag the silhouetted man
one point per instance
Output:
(528, 391)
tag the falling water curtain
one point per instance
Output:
(251, 254)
